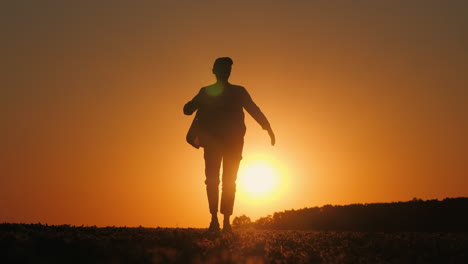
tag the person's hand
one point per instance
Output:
(272, 136)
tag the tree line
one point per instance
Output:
(448, 215)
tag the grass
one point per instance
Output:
(36, 243)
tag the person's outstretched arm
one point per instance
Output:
(193, 105)
(257, 114)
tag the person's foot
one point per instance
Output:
(227, 227)
(214, 226)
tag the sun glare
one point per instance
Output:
(260, 179)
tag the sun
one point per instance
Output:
(259, 178)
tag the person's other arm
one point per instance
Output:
(257, 114)
(193, 105)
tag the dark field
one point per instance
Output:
(20, 243)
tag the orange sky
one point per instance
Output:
(368, 101)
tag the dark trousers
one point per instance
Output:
(230, 154)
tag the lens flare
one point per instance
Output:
(214, 90)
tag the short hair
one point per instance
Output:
(222, 65)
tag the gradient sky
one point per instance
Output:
(368, 100)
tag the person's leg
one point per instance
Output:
(231, 160)
(213, 157)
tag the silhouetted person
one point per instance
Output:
(220, 129)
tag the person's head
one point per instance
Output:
(222, 68)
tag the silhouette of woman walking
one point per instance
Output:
(219, 128)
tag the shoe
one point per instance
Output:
(227, 228)
(214, 227)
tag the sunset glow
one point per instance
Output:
(367, 99)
